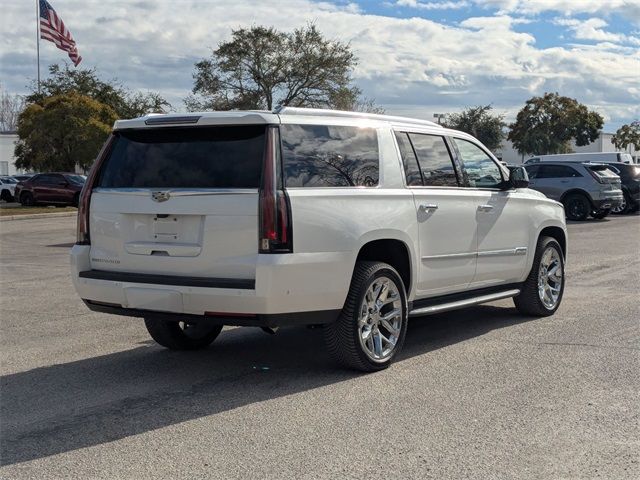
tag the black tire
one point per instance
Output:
(343, 336)
(625, 208)
(180, 335)
(27, 200)
(528, 302)
(600, 214)
(576, 207)
(6, 196)
(76, 200)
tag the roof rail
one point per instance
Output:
(318, 112)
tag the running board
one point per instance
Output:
(444, 307)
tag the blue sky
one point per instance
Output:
(416, 57)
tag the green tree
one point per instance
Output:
(547, 124)
(479, 122)
(627, 135)
(61, 132)
(85, 81)
(260, 68)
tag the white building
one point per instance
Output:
(7, 160)
(602, 144)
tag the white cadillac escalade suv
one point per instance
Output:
(356, 222)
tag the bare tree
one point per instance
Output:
(10, 108)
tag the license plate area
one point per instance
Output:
(166, 227)
(154, 299)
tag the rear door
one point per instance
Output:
(179, 201)
(43, 187)
(444, 212)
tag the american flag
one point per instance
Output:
(52, 28)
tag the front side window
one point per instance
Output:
(434, 159)
(329, 156)
(532, 170)
(481, 170)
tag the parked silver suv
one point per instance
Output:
(583, 188)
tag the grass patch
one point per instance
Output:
(6, 211)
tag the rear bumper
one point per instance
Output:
(608, 201)
(258, 320)
(284, 286)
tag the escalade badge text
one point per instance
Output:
(160, 196)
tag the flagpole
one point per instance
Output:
(38, 39)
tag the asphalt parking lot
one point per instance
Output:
(480, 393)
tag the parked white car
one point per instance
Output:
(8, 188)
(352, 221)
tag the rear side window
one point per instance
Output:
(411, 168)
(201, 157)
(434, 159)
(48, 179)
(557, 171)
(329, 156)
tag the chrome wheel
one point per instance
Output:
(550, 278)
(380, 319)
(620, 208)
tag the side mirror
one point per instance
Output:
(518, 177)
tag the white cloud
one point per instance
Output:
(629, 9)
(592, 29)
(438, 5)
(409, 65)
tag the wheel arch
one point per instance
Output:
(578, 191)
(395, 251)
(556, 233)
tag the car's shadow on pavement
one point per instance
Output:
(59, 408)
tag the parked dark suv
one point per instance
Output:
(630, 177)
(50, 189)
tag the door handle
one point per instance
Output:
(485, 208)
(428, 207)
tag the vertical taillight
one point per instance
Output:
(275, 225)
(597, 177)
(83, 237)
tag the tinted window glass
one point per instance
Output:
(434, 159)
(557, 171)
(532, 171)
(77, 179)
(45, 179)
(329, 156)
(481, 170)
(411, 169)
(208, 157)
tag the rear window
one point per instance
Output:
(329, 156)
(602, 171)
(202, 157)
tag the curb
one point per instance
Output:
(30, 216)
